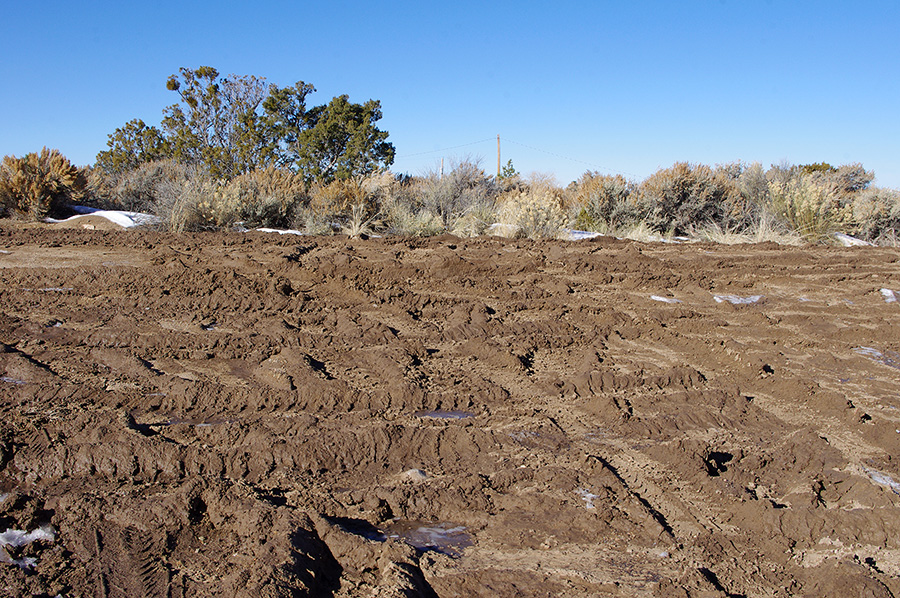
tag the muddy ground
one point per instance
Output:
(228, 414)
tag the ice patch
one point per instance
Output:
(11, 380)
(438, 538)
(587, 497)
(889, 296)
(280, 232)
(665, 299)
(736, 300)
(15, 538)
(883, 479)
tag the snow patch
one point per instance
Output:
(889, 296)
(280, 232)
(848, 241)
(122, 218)
(11, 380)
(736, 300)
(577, 235)
(16, 538)
(883, 479)
(892, 359)
(587, 497)
(665, 299)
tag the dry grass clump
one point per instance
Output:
(811, 209)
(39, 184)
(535, 214)
(266, 197)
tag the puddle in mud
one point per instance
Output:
(665, 299)
(445, 538)
(888, 358)
(889, 296)
(883, 479)
(587, 497)
(444, 414)
(736, 300)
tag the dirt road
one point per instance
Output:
(262, 415)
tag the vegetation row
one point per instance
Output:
(236, 153)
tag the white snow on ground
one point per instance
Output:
(16, 538)
(665, 299)
(883, 479)
(848, 241)
(734, 299)
(587, 497)
(122, 218)
(280, 232)
(889, 296)
(577, 235)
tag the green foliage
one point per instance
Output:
(233, 125)
(217, 125)
(39, 184)
(509, 171)
(340, 141)
(132, 145)
(816, 168)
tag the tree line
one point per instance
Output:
(237, 124)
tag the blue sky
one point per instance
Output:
(619, 87)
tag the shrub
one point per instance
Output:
(464, 189)
(813, 211)
(39, 184)
(537, 214)
(675, 198)
(601, 202)
(876, 214)
(182, 203)
(135, 190)
(267, 197)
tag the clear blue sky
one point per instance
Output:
(623, 86)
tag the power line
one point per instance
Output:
(444, 149)
(598, 167)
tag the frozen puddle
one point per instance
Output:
(665, 299)
(889, 296)
(443, 537)
(444, 414)
(736, 300)
(9, 380)
(587, 497)
(15, 538)
(883, 479)
(890, 359)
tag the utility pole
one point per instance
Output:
(498, 155)
(442, 169)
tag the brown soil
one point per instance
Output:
(256, 415)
